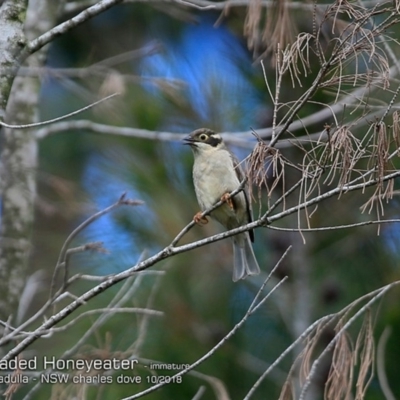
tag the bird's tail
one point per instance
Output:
(244, 260)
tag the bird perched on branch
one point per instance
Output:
(216, 173)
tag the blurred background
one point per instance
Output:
(176, 70)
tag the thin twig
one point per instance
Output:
(71, 23)
(335, 227)
(51, 121)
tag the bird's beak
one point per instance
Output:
(189, 140)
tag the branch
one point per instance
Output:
(50, 121)
(66, 26)
(170, 251)
(107, 129)
(265, 220)
(99, 68)
(239, 139)
(336, 227)
(74, 6)
(336, 191)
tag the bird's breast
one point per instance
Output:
(213, 177)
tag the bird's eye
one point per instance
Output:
(203, 137)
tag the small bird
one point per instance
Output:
(216, 173)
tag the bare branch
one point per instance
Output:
(66, 26)
(51, 121)
(239, 139)
(74, 6)
(335, 227)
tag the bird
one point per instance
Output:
(216, 173)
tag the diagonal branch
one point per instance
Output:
(66, 26)
(170, 251)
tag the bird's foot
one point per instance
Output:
(228, 200)
(199, 219)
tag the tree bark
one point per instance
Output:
(12, 41)
(19, 155)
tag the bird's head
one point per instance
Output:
(204, 140)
